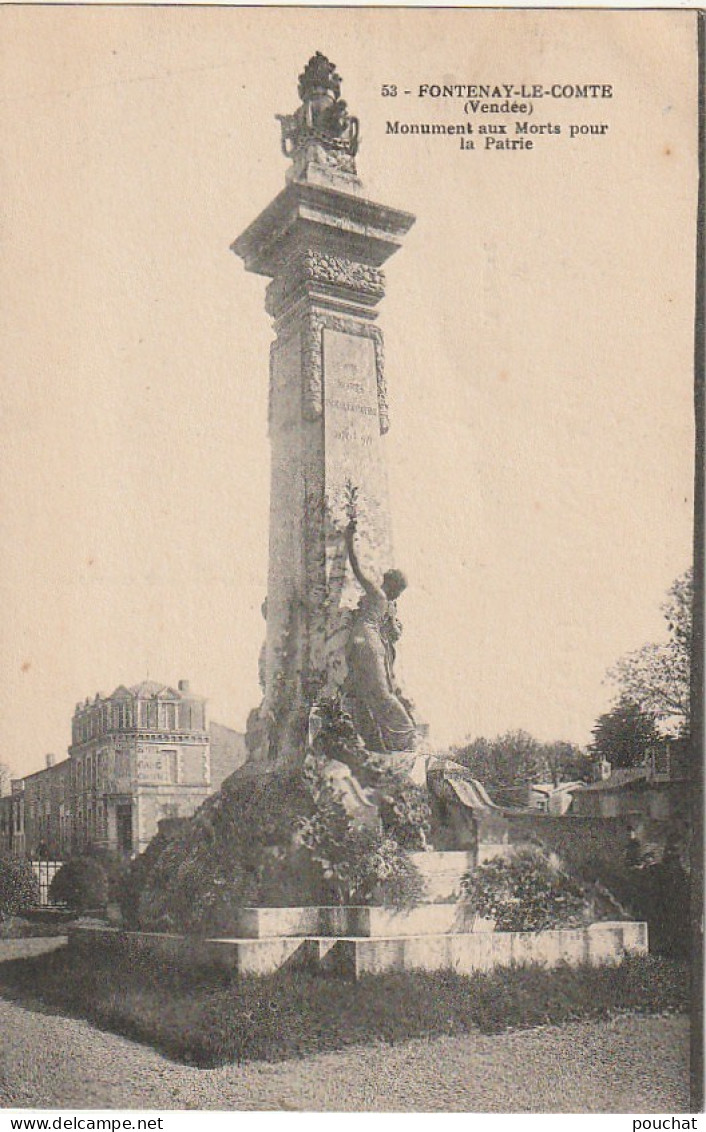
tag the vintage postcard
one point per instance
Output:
(351, 695)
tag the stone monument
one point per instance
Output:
(331, 613)
(322, 243)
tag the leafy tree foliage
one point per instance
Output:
(565, 762)
(517, 759)
(19, 887)
(623, 735)
(512, 759)
(656, 677)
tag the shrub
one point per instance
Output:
(282, 836)
(525, 892)
(405, 811)
(114, 865)
(19, 887)
(238, 849)
(361, 863)
(80, 883)
(391, 877)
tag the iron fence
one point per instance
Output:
(45, 871)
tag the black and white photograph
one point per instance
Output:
(351, 498)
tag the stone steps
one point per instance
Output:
(441, 872)
(353, 920)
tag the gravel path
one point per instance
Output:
(630, 1064)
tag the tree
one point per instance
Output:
(517, 759)
(656, 677)
(623, 735)
(512, 759)
(565, 762)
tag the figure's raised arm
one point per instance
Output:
(368, 585)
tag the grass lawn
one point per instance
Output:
(214, 1021)
(17, 927)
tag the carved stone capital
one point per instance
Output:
(324, 277)
(324, 268)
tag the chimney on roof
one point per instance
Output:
(50, 760)
(184, 685)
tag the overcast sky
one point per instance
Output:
(539, 341)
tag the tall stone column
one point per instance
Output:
(322, 242)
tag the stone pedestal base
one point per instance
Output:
(395, 945)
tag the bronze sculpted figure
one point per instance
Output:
(379, 711)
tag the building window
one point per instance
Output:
(185, 717)
(171, 759)
(123, 821)
(122, 764)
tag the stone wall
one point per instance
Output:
(589, 843)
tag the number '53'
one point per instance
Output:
(388, 90)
